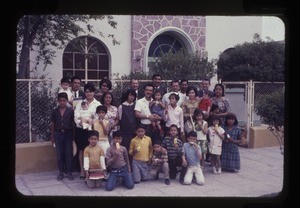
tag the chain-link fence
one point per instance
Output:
(35, 100)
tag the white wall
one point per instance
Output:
(120, 54)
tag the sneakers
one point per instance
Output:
(167, 181)
(60, 176)
(219, 170)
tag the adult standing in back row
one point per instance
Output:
(81, 135)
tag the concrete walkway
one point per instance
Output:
(261, 174)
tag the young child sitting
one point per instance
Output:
(118, 163)
(191, 159)
(94, 161)
(86, 116)
(160, 162)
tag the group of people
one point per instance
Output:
(153, 131)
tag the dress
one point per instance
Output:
(201, 137)
(230, 158)
(215, 145)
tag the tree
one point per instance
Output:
(259, 61)
(271, 109)
(37, 32)
(182, 65)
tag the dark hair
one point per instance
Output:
(197, 112)
(214, 107)
(157, 141)
(215, 117)
(117, 134)
(75, 77)
(101, 108)
(103, 97)
(184, 80)
(156, 75)
(207, 92)
(65, 80)
(140, 126)
(174, 95)
(173, 125)
(231, 116)
(89, 86)
(93, 133)
(174, 81)
(220, 85)
(62, 95)
(206, 79)
(127, 93)
(105, 81)
(83, 102)
(192, 134)
(157, 91)
(148, 85)
(190, 88)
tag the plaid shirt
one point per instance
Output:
(162, 155)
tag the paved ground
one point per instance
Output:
(261, 174)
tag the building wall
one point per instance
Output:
(120, 54)
(190, 29)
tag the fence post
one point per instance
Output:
(249, 108)
(29, 110)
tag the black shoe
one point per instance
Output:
(156, 176)
(167, 181)
(181, 181)
(60, 176)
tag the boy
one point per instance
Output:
(160, 162)
(62, 128)
(94, 161)
(101, 124)
(191, 159)
(118, 161)
(173, 145)
(141, 151)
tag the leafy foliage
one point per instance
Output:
(182, 65)
(38, 32)
(259, 61)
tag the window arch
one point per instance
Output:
(87, 58)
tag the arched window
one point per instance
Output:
(87, 58)
(163, 44)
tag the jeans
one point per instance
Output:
(113, 177)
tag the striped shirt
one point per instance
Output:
(168, 144)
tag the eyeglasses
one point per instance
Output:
(104, 86)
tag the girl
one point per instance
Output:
(216, 135)
(157, 107)
(201, 130)
(230, 150)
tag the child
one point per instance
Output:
(86, 116)
(101, 125)
(93, 161)
(62, 128)
(118, 161)
(141, 151)
(216, 135)
(160, 162)
(205, 103)
(201, 130)
(174, 115)
(230, 151)
(65, 87)
(157, 107)
(173, 145)
(191, 159)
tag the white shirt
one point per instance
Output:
(174, 116)
(92, 106)
(142, 106)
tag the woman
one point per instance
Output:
(81, 135)
(188, 108)
(221, 102)
(107, 99)
(104, 86)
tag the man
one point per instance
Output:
(134, 85)
(174, 89)
(142, 111)
(156, 82)
(204, 85)
(184, 83)
(77, 93)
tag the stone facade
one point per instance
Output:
(144, 27)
